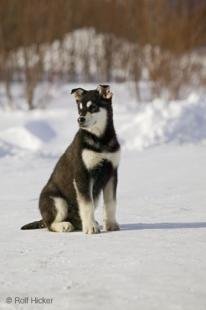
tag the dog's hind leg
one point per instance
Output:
(54, 212)
(59, 224)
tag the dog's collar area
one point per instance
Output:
(97, 143)
(96, 132)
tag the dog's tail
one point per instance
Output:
(34, 225)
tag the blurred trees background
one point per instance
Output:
(160, 41)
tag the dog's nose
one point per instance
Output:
(81, 120)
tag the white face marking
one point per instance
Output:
(96, 122)
(89, 103)
(81, 106)
(92, 159)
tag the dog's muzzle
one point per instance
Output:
(81, 120)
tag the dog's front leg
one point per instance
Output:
(109, 193)
(86, 207)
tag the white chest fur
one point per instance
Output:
(92, 159)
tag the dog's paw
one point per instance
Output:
(91, 228)
(62, 227)
(111, 226)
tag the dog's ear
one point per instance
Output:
(78, 93)
(104, 91)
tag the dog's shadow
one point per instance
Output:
(143, 226)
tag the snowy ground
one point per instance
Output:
(157, 260)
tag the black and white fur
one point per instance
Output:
(88, 167)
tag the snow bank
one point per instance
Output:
(161, 122)
(5, 149)
(20, 137)
(40, 129)
(138, 126)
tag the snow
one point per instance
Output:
(165, 122)
(21, 137)
(157, 260)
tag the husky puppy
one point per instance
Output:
(88, 167)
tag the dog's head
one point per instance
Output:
(93, 108)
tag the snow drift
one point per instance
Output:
(166, 122)
(138, 126)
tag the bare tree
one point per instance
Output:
(171, 30)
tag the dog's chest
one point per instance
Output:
(93, 159)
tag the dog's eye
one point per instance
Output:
(93, 108)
